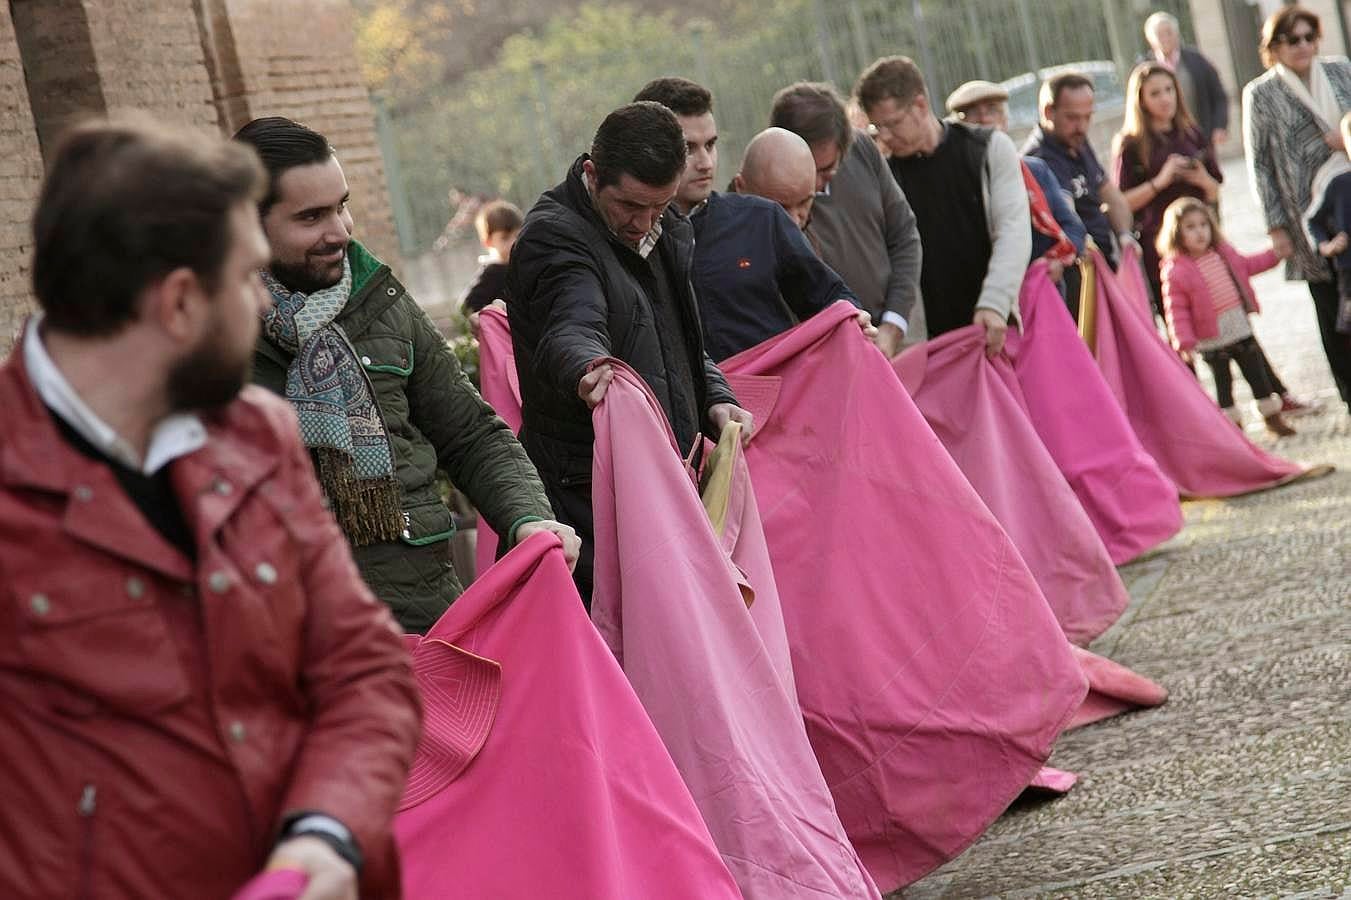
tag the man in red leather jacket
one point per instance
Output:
(195, 684)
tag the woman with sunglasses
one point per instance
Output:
(1290, 119)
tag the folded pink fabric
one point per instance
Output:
(1178, 424)
(668, 601)
(1129, 500)
(538, 773)
(499, 385)
(1053, 781)
(1112, 689)
(743, 540)
(974, 406)
(931, 673)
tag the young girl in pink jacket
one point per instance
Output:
(1207, 297)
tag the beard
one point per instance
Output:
(309, 275)
(208, 377)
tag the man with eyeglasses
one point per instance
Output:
(860, 218)
(966, 188)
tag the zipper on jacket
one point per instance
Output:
(87, 806)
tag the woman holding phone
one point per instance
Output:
(1159, 156)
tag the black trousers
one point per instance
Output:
(1251, 362)
(571, 502)
(1276, 384)
(1336, 346)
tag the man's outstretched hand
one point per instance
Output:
(572, 544)
(330, 876)
(722, 413)
(995, 328)
(594, 384)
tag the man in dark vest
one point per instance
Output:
(602, 268)
(382, 401)
(966, 187)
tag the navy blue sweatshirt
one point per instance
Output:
(1332, 217)
(755, 273)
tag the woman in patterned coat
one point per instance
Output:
(1290, 118)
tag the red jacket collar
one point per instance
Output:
(241, 451)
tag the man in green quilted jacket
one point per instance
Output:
(381, 399)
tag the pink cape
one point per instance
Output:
(499, 385)
(1131, 503)
(932, 675)
(538, 773)
(668, 601)
(975, 407)
(1181, 427)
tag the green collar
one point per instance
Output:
(364, 265)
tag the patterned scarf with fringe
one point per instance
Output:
(335, 402)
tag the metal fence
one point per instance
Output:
(511, 130)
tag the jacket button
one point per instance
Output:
(391, 291)
(84, 493)
(237, 732)
(219, 582)
(365, 360)
(40, 604)
(266, 573)
(135, 588)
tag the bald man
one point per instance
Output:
(755, 274)
(779, 166)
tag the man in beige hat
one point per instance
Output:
(981, 103)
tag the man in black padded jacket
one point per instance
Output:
(602, 270)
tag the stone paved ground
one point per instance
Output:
(1241, 785)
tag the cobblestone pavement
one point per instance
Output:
(1240, 786)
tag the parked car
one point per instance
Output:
(1110, 99)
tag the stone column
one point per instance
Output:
(20, 178)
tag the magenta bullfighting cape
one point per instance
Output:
(932, 675)
(1129, 500)
(538, 773)
(974, 406)
(1179, 425)
(499, 386)
(670, 602)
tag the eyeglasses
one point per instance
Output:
(1294, 40)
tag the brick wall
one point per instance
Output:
(20, 175)
(298, 59)
(149, 56)
(207, 63)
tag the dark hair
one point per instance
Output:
(814, 111)
(890, 78)
(282, 144)
(1278, 26)
(1136, 137)
(680, 95)
(1057, 84)
(498, 216)
(124, 204)
(642, 139)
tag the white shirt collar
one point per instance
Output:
(173, 436)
